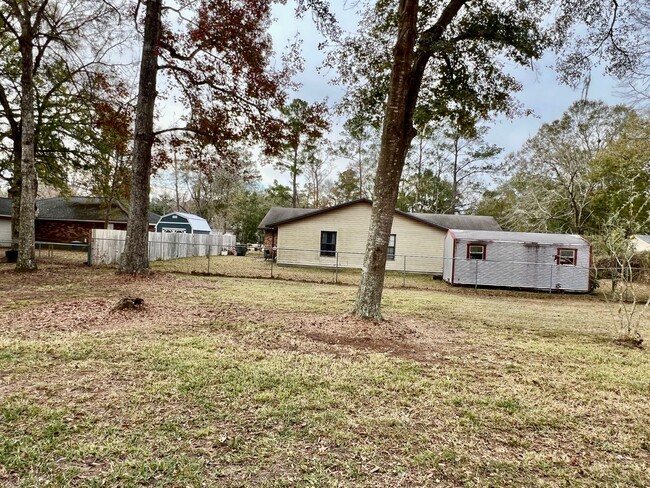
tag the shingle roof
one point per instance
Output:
(470, 222)
(281, 215)
(524, 237)
(89, 209)
(5, 207)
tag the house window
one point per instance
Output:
(566, 256)
(475, 251)
(391, 248)
(328, 243)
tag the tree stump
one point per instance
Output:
(128, 303)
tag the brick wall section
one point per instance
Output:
(66, 231)
(270, 238)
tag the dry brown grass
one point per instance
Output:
(253, 382)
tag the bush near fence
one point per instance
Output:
(610, 268)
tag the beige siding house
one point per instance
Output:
(336, 236)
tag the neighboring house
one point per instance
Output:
(517, 260)
(641, 243)
(72, 219)
(183, 223)
(337, 236)
(5, 222)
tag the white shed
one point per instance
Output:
(183, 223)
(517, 260)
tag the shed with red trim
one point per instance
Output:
(517, 260)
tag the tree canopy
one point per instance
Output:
(218, 56)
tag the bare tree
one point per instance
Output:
(627, 304)
(317, 169)
(556, 168)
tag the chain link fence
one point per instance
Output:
(257, 264)
(49, 255)
(412, 271)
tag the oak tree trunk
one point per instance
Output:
(135, 259)
(407, 73)
(14, 189)
(396, 137)
(26, 230)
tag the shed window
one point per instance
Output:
(566, 256)
(476, 251)
(391, 247)
(328, 243)
(174, 230)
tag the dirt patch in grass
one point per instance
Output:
(405, 337)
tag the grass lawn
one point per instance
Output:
(223, 381)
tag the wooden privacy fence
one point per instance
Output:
(106, 246)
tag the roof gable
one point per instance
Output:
(281, 215)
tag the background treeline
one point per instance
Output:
(587, 173)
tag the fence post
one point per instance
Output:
(209, 254)
(404, 274)
(550, 280)
(336, 271)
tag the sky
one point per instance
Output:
(541, 90)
